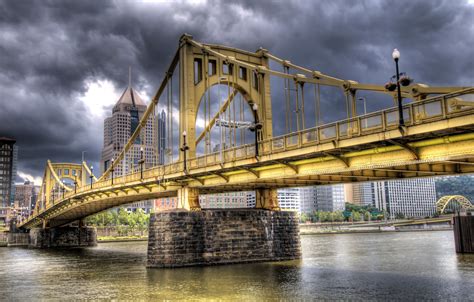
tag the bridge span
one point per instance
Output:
(436, 138)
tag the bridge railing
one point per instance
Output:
(436, 108)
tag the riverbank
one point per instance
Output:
(438, 224)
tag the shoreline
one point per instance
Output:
(373, 231)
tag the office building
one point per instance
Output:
(118, 129)
(414, 197)
(25, 195)
(8, 161)
(327, 198)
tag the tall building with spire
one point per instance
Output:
(119, 127)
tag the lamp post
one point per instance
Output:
(92, 175)
(112, 170)
(257, 127)
(63, 189)
(396, 57)
(75, 183)
(141, 162)
(184, 148)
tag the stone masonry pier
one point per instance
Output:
(63, 237)
(190, 238)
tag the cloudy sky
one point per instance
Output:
(63, 64)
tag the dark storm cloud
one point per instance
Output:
(49, 50)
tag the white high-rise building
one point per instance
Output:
(308, 199)
(414, 197)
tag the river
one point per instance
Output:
(408, 266)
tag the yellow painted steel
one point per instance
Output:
(462, 201)
(437, 139)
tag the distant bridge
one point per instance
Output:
(460, 200)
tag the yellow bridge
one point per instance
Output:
(437, 138)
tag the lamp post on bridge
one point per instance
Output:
(141, 162)
(184, 148)
(396, 57)
(75, 183)
(256, 127)
(92, 175)
(62, 188)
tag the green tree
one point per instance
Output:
(303, 217)
(356, 216)
(367, 216)
(123, 217)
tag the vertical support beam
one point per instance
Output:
(188, 199)
(267, 199)
(47, 187)
(265, 106)
(188, 105)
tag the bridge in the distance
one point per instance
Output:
(226, 142)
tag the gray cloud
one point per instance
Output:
(49, 50)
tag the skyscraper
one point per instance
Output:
(118, 129)
(8, 160)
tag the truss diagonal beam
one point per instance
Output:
(213, 120)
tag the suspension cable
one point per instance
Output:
(297, 107)
(317, 103)
(287, 100)
(302, 106)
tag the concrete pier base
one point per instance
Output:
(63, 237)
(463, 227)
(208, 237)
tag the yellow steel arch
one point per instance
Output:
(443, 202)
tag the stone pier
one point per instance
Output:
(63, 237)
(190, 238)
(463, 227)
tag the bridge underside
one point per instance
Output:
(439, 148)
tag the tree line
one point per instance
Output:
(352, 212)
(124, 221)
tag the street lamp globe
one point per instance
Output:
(184, 133)
(396, 54)
(255, 107)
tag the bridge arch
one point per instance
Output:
(204, 66)
(444, 201)
(230, 102)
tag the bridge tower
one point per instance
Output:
(202, 67)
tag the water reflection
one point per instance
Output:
(418, 265)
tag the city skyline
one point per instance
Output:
(69, 82)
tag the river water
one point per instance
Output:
(408, 266)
